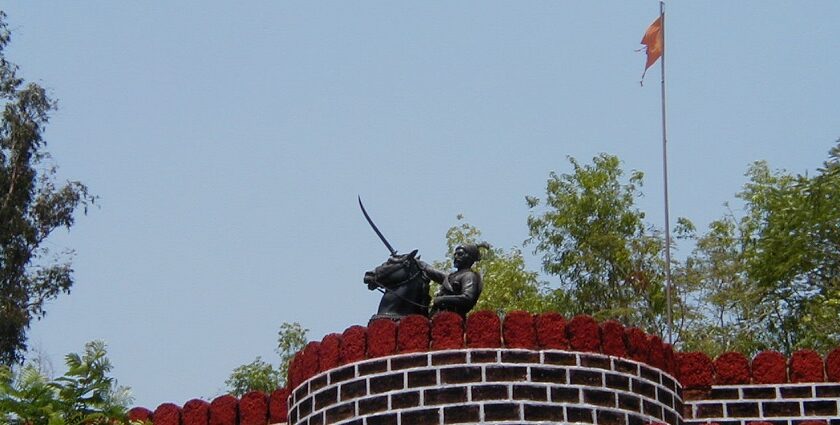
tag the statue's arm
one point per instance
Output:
(470, 291)
(433, 273)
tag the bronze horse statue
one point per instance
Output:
(404, 286)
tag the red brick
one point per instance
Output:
(381, 338)
(447, 331)
(806, 366)
(768, 367)
(278, 408)
(832, 365)
(584, 334)
(224, 410)
(696, 370)
(196, 412)
(612, 339)
(413, 334)
(518, 330)
(551, 331)
(167, 414)
(484, 330)
(732, 368)
(353, 344)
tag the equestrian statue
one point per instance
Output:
(404, 280)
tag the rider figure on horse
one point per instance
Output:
(459, 290)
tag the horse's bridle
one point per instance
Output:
(401, 283)
(385, 290)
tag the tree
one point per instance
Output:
(255, 376)
(791, 245)
(84, 395)
(262, 376)
(32, 206)
(507, 284)
(291, 338)
(593, 238)
(725, 314)
(770, 279)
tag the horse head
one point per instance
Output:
(404, 285)
(395, 270)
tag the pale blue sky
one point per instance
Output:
(228, 141)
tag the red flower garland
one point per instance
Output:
(670, 360)
(167, 414)
(656, 355)
(309, 360)
(695, 370)
(447, 331)
(638, 346)
(806, 366)
(413, 334)
(253, 409)
(223, 410)
(732, 368)
(330, 353)
(518, 330)
(832, 365)
(139, 414)
(278, 408)
(612, 339)
(196, 412)
(551, 331)
(294, 376)
(484, 330)
(768, 367)
(382, 338)
(353, 345)
(584, 334)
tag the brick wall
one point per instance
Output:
(479, 385)
(787, 404)
(525, 368)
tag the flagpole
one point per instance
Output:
(665, 180)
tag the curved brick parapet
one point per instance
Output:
(482, 385)
(484, 329)
(525, 368)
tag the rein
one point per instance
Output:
(381, 288)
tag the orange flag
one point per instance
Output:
(654, 45)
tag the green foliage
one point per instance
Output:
(291, 338)
(724, 314)
(593, 238)
(32, 206)
(769, 279)
(255, 376)
(791, 245)
(84, 395)
(262, 376)
(507, 284)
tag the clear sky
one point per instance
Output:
(228, 141)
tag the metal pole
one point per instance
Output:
(665, 174)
